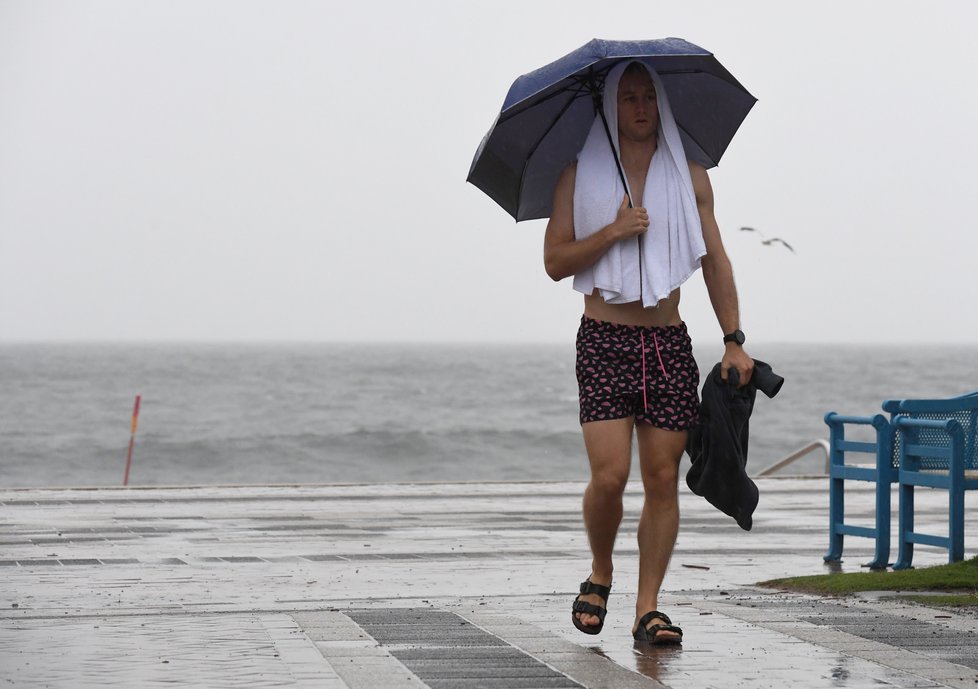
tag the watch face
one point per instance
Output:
(736, 336)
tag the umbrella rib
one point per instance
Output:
(533, 149)
(693, 139)
(578, 92)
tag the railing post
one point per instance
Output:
(884, 473)
(955, 533)
(837, 434)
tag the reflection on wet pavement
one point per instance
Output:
(721, 651)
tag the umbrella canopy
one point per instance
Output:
(547, 115)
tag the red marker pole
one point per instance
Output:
(132, 440)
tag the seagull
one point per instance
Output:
(772, 240)
(768, 242)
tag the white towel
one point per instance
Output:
(673, 245)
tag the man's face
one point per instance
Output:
(638, 112)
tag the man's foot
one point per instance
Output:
(590, 606)
(656, 628)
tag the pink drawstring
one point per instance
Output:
(645, 393)
(659, 354)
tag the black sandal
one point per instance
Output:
(587, 587)
(651, 635)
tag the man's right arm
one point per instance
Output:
(563, 255)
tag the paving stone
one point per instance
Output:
(504, 683)
(478, 666)
(362, 654)
(433, 629)
(501, 653)
(467, 670)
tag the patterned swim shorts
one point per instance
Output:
(613, 362)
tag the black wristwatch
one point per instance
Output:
(736, 336)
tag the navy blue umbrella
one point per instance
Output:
(547, 115)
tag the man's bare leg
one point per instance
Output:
(609, 451)
(659, 454)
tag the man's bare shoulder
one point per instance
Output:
(697, 171)
(565, 183)
(701, 181)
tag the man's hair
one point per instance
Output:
(636, 68)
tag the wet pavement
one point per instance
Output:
(444, 586)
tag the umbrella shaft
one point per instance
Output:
(614, 152)
(624, 182)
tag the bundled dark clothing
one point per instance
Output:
(718, 446)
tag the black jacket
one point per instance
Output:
(718, 446)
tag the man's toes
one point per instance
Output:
(665, 633)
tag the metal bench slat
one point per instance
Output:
(927, 539)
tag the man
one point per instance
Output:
(620, 394)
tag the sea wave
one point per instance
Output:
(232, 414)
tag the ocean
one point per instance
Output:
(345, 413)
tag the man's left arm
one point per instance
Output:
(718, 275)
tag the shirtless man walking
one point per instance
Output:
(612, 339)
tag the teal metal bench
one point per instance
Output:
(881, 471)
(917, 446)
(936, 443)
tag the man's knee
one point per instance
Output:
(661, 481)
(609, 483)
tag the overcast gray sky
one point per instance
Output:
(242, 170)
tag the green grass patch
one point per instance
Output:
(961, 600)
(959, 576)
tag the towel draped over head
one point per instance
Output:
(673, 245)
